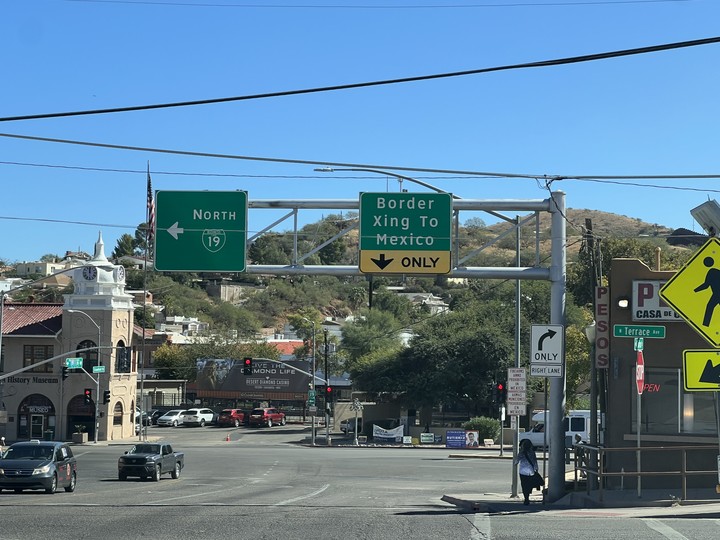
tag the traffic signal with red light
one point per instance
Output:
(501, 392)
(247, 366)
(329, 394)
(88, 396)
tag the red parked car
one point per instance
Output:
(267, 417)
(231, 417)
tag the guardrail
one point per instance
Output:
(586, 456)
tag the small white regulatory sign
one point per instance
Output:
(547, 344)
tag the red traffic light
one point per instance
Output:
(248, 361)
(88, 392)
(500, 386)
(329, 389)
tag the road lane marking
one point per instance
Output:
(667, 531)
(481, 527)
(308, 496)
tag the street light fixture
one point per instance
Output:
(97, 381)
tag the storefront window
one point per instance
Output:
(32, 354)
(667, 409)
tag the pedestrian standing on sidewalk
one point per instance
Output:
(527, 467)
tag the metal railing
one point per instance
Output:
(586, 456)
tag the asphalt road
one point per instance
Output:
(264, 484)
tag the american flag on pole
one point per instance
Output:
(150, 212)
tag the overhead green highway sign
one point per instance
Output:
(405, 233)
(200, 231)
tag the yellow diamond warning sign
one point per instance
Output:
(694, 292)
(701, 370)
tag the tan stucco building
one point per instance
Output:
(95, 323)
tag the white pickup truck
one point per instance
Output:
(575, 423)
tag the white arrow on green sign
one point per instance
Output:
(201, 231)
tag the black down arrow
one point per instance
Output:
(711, 374)
(382, 262)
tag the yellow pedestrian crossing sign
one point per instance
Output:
(694, 292)
(701, 370)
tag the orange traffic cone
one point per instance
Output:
(227, 437)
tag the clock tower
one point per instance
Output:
(97, 325)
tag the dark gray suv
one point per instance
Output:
(36, 464)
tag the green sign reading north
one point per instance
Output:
(405, 232)
(638, 331)
(200, 231)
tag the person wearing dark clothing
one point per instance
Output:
(527, 467)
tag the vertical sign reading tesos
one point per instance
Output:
(200, 231)
(405, 233)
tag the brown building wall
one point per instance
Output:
(664, 422)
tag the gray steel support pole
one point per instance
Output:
(556, 474)
(518, 298)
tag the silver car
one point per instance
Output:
(172, 418)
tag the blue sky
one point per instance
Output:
(644, 115)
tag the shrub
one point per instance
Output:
(487, 428)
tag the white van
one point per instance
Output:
(575, 423)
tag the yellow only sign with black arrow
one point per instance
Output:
(701, 370)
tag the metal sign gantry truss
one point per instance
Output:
(459, 268)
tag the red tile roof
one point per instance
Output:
(17, 316)
(286, 346)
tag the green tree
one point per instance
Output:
(372, 330)
(140, 243)
(125, 247)
(173, 362)
(455, 358)
(270, 248)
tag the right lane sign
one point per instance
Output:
(547, 350)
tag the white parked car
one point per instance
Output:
(197, 417)
(171, 418)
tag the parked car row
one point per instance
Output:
(262, 416)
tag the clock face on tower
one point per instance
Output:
(89, 272)
(121, 273)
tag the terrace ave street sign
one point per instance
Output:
(405, 233)
(201, 231)
(638, 331)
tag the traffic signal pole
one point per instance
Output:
(327, 385)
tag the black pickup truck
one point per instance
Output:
(150, 460)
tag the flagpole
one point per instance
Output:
(149, 238)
